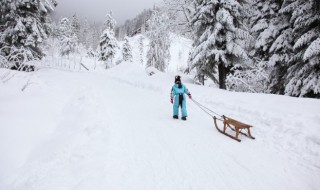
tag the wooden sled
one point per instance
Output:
(234, 125)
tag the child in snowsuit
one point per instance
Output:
(177, 94)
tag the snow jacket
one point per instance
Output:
(179, 91)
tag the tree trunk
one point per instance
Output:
(201, 79)
(222, 76)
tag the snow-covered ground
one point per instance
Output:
(113, 129)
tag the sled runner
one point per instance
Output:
(234, 125)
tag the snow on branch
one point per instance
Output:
(312, 50)
(306, 38)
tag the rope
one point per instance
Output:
(205, 109)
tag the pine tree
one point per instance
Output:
(158, 54)
(23, 29)
(110, 23)
(219, 38)
(135, 25)
(266, 26)
(141, 49)
(48, 7)
(108, 43)
(91, 52)
(84, 33)
(273, 42)
(127, 50)
(108, 46)
(94, 35)
(180, 13)
(68, 39)
(303, 75)
(75, 25)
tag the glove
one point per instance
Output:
(171, 101)
(189, 95)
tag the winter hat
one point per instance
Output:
(177, 78)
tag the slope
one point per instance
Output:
(113, 130)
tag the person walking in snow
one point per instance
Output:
(178, 98)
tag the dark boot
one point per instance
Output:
(184, 118)
(175, 117)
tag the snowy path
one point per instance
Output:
(114, 132)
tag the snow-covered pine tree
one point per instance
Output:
(265, 26)
(84, 33)
(75, 25)
(108, 46)
(23, 29)
(48, 8)
(108, 43)
(68, 39)
(91, 52)
(303, 75)
(135, 25)
(219, 32)
(94, 35)
(110, 23)
(180, 13)
(272, 47)
(127, 50)
(141, 49)
(158, 55)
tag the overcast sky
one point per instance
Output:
(95, 10)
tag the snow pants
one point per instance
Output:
(180, 101)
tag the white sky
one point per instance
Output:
(95, 10)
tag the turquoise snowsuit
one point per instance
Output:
(178, 95)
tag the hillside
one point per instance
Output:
(113, 129)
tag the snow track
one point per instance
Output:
(114, 130)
